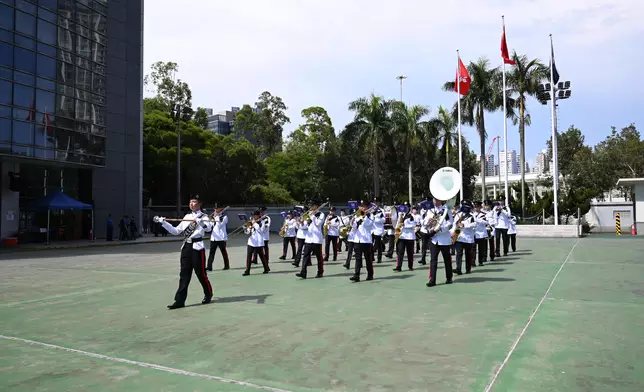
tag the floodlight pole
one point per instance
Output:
(401, 78)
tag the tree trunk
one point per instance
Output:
(480, 124)
(376, 166)
(410, 177)
(446, 154)
(522, 141)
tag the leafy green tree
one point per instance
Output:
(272, 120)
(201, 118)
(446, 126)
(169, 91)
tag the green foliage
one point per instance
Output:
(201, 118)
(272, 193)
(169, 91)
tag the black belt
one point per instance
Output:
(193, 240)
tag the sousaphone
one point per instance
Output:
(445, 185)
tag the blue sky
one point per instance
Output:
(314, 53)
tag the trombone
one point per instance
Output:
(211, 217)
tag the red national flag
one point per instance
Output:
(504, 49)
(46, 122)
(463, 80)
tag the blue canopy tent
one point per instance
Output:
(60, 201)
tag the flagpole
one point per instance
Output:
(460, 149)
(555, 161)
(505, 132)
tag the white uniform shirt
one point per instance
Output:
(481, 225)
(502, 219)
(364, 230)
(302, 230)
(351, 237)
(219, 231)
(379, 222)
(424, 222)
(315, 235)
(256, 239)
(267, 225)
(491, 219)
(203, 224)
(467, 231)
(334, 226)
(394, 219)
(407, 232)
(290, 228)
(512, 229)
(443, 237)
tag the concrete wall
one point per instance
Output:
(639, 208)
(549, 231)
(602, 216)
(10, 201)
(117, 188)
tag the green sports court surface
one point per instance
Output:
(557, 315)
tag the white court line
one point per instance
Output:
(94, 291)
(146, 365)
(516, 343)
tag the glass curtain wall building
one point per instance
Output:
(70, 112)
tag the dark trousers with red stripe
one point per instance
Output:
(310, 249)
(252, 252)
(331, 239)
(288, 240)
(377, 247)
(213, 250)
(364, 251)
(481, 245)
(401, 247)
(192, 260)
(444, 250)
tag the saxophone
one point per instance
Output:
(283, 229)
(399, 227)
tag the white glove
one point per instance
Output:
(161, 219)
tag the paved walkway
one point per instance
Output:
(146, 239)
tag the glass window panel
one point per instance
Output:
(82, 110)
(5, 111)
(98, 115)
(6, 73)
(5, 92)
(6, 54)
(25, 42)
(97, 146)
(24, 78)
(24, 115)
(65, 90)
(45, 84)
(6, 35)
(84, 95)
(65, 72)
(98, 53)
(6, 17)
(83, 47)
(46, 32)
(26, 6)
(62, 122)
(83, 62)
(83, 14)
(98, 84)
(44, 137)
(10, 2)
(23, 95)
(64, 106)
(46, 49)
(5, 130)
(46, 67)
(51, 4)
(99, 99)
(24, 60)
(100, 6)
(44, 14)
(83, 30)
(83, 79)
(99, 68)
(65, 39)
(65, 56)
(99, 131)
(25, 23)
(82, 127)
(81, 143)
(5, 148)
(45, 101)
(23, 133)
(66, 7)
(21, 150)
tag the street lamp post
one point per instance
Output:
(551, 92)
(401, 78)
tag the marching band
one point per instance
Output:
(471, 232)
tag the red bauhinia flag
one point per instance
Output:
(504, 49)
(462, 83)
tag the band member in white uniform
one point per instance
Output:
(378, 230)
(441, 243)
(218, 239)
(417, 219)
(351, 240)
(289, 236)
(502, 225)
(512, 232)
(193, 252)
(465, 240)
(302, 233)
(267, 231)
(480, 232)
(390, 227)
(406, 242)
(332, 235)
(363, 245)
(344, 220)
(255, 245)
(491, 220)
(313, 242)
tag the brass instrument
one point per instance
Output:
(458, 224)
(216, 214)
(307, 215)
(399, 226)
(325, 228)
(211, 217)
(283, 229)
(344, 230)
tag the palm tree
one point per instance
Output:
(445, 125)
(372, 118)
(522, 82)
(409, 130)
(484, 95)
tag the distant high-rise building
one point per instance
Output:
(489, 164)
(512, 162)
(541, 163)
(223, 122)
